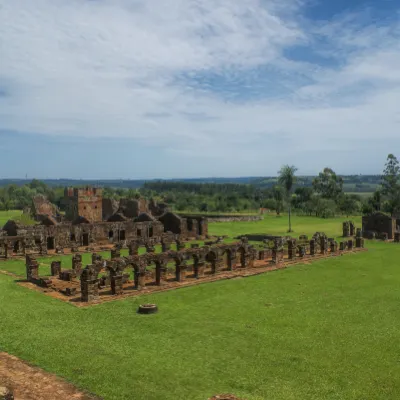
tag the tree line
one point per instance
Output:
(325, 197)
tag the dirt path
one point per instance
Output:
(32, 383)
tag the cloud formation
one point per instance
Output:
(219, 81)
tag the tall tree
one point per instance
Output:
(287, 179)
(328, 184)
(390, 183)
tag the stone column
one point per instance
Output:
(77, 263)
(324, 245)
(346, 229)
(199, 268)
(359, 242)
(342, 246)
(302, 251)
(350, 244)
(89, 290)
(115, 253)
(181, 271)
(55, 268)
(161, 274)
(140, 279)
(32, 270)
(312, 247)
(277, 255)
(291, 249)
(352, 228)
(333, 246)
(133, 249)
(232, 262)
(116, 284)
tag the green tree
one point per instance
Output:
(390, 184)
(328, 184)
(348, 205)
(277, 193)
(287, 179)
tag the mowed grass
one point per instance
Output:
(274, 225)
(6, 215)
(327, 330)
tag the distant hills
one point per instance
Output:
(352, 183)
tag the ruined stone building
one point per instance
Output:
(91, 221)
(379, 223)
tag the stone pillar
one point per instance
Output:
(55, 268)
(32, 268)
(180, 271)
(115, 253)
(397, 237)
(302, 250)
(346, 229)
(277, 255)
(165, 245)
(140, 279)
(313, 246)
(77, 263)
(199, 268)
(116, 284)
(352, 228)
(342, 246)
(334, 246)
(291, 249)
(359, 233)
(89, 290)
(89, 285)
(324, 245)
(161, 274)
(359, 242)
(350, 244)
(133, 248)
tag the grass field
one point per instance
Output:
(6, 215)
(274, 225)
(327, 330)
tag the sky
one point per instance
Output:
(140, 89)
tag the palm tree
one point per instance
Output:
(287, 179)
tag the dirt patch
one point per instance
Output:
(224, 397)
(32, 383)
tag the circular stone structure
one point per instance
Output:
(147, 309)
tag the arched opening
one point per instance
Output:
(72, 237)
(211, 259)
(85, 239)
(226, 259)
(110, 234)
(50, 243)
(16, 246)
(122, 234)
(189, 224)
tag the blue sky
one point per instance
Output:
(189, 88)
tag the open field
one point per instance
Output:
(6, 215)
(274, 225)
(327, 330)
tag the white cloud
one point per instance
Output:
(108, 68)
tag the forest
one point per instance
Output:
(325, 195)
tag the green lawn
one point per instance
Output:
(327, 330)
(274, 225)
(6, 215)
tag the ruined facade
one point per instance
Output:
(84, 226)
(379, 225)
(85, 203)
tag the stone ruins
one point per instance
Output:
(92, 222)
(380, 226)
(134, 274)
